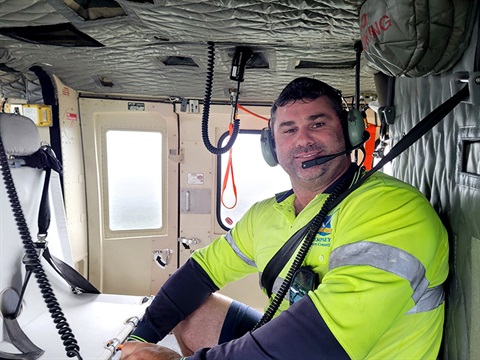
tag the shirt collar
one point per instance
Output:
(349, 174)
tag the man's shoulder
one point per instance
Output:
(381, 180)
(381, 188)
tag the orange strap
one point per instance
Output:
(228, 171)
(251, 112)
(370, 146)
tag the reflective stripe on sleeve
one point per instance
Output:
(432, 298)
(395, 261)
(236, 250)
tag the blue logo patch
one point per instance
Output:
(326, 228)
(323, 234)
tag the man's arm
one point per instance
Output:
(181, 294)
(298, 332)
(143, 351)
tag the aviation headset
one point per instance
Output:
(354, 132)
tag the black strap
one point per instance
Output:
(45, 158)
(78, 283)
(427, 123)
(29, 351)
(279, 260)
(281, 257)
(43, 222)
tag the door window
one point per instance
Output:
(134, 172)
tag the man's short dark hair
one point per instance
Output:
(307, 89)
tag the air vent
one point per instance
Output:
(105, 81)
(258, 61)
(95, 9)
(58, 35)
(305, 64)
(179, 61)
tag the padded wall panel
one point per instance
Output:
(442, 166)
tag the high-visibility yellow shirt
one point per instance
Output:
(381, 257)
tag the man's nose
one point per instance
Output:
(305, 137)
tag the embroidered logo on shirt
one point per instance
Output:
(323, 237)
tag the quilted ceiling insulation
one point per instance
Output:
(159, 48)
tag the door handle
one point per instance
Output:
(162, 257)
(189, 241)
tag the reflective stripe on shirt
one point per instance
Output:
(236, 250)
(276, 285)
(395, 261)
(432, 298)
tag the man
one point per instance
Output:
(380, 258)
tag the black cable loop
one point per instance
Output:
(206, 108)
(301, 255)
(32, 261)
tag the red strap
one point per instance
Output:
(228, 171)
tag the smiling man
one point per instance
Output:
(370, 285)
(307, 125)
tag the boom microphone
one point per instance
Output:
(322, 159)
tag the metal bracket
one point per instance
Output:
(112, 345)
(462, 78)
(193, 107)
(133, 320)
(183, 106)
(387, 113)
(188, 241)
(175, 156)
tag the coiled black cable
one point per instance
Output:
(206, 108)
(33, 263)
(300, 257)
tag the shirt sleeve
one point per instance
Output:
(181, 294)
(298, 332)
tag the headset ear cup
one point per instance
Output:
(356, 128)
(268, 147)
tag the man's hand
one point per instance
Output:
(133, 350)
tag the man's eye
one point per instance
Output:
(289, 131)
(318, 124)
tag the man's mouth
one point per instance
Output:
(308, 156)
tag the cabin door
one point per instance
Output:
(131, 169)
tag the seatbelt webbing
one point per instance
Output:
(281, 257)
(70, 275)
(427, 123)
(47, 160)
(29, 351)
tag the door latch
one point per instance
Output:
(187, 242)
(162, 257)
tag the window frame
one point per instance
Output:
(110, 234)
(219, 179)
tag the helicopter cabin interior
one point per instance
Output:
(131, 137)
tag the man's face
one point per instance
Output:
(304, 131)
